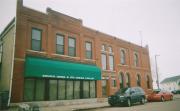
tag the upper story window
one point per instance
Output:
(88, 46)
(36, 36)
(111, 62)
(148, 82)
(59, 44)
(123, 57)
(138, 80)
(136, 60)
(71, 46)
(103, 48)
(103, 61)
(110, 49)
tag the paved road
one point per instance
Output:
(152, 106)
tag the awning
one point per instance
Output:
(46, 68)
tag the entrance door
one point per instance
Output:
(104, 88)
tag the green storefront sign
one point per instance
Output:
(46, 68)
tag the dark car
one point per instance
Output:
(176, 92)
(127, 96)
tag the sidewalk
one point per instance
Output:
(75, 107)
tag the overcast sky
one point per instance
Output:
(158, 20)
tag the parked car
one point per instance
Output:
(127, 96)
(176, 92)
(160, 95)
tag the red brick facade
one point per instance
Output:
(54, 22)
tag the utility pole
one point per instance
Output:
(157, 80)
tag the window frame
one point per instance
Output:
(41, 32)
(122, 57)
(91, 57)
(63, 36)
(69, 37)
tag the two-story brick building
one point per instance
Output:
(51, 56)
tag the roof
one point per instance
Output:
(171, 79)
(7, 28)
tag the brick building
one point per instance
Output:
(52, 56)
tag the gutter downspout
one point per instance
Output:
(12, 67)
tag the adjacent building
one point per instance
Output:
(51, 56)
(171, 83)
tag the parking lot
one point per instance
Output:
(151, 106)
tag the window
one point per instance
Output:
(53, 89)
(121, 79)
(148, 82)
(88, 46)
(59, 44)
(69, 89)
(127, 80)
(110, 49)
(113, 83)
(138, 80)
(136, 60)
(85, 89)
(103, 61)
(36, 39)
(92, 89)
(40, 89)
(71, 46)
(123, 57)
(29, 90)
(62, 89)
(111, 62)
(103, 48)
(76, 89)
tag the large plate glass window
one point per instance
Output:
(85, 89)
(62, 89)
(69, 89)
(92, 89)
(40, 90)
(53, 89)
(76, 89)
(29, 90)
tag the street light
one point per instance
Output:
(157, 81)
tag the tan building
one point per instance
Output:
(52, 56)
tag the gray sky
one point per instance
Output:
(158, 20)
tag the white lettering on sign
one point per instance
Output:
(67, 77)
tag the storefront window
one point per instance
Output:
(29, 90)
(53, 89)
(40, 90)
(92, 89)
(62, 89)
(85, 89)
(76, 89)
(69, 90)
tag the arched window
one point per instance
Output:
(121, 79)
(148, 81)
(127, 80)
(138, 80)
(123, 57)
(136, 59)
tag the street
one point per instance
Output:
(151, 106)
